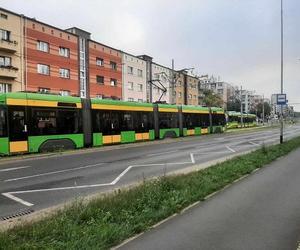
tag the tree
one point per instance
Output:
(234, 104)
(259, 109)
(211, 99)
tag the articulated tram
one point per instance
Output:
(234, 120)
(31, 122)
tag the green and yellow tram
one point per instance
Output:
(31, 122)
(234, 120)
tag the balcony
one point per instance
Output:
(8, 72)
(8, 46)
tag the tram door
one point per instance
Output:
(18, 135)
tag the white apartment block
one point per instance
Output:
(161, 79)
(134, 78)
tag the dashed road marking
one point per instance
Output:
(53, 172)
(230, 149)
(10, 196)
(13, 169)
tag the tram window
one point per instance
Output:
(218, 119)
(55, 121)
(143, 121)
(3, 125)
(16, 124)
(191, 121)
(204, 120)
(101, 122)
(126, 121)
(115, 122)
(168, 120)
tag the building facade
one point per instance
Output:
(191, 91)
(51, 59)
(134, 78)
(11, 52)
(105, 71)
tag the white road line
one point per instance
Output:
(254, 144)
(230, 149)
(10, 196)
(162, 153)
(13, 169)
(192, 158)
(53, 172)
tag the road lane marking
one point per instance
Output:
(13, 169)
(230, 149)
(10, 196)
(254, 144)
(161, 153)
(53, 172)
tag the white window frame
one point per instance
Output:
(65, 52)
(44, 90)
(64, 92)
(130, 85)
(113, 82)
(4, 34)
(130, 99)
(140, 73)
(130, 70)
(140, 87)
(43, 69)
(42, 46)
(5, 87)
(99, 61)
(64, 73)
(5, 61)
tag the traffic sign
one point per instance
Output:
(281, 99)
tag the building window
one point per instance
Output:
(140, 87)
(99, 61)
(130, 99)
(4, 35)
(64, 92)
(140, 73)
(113, 82)
(3, 16)
(64, 73)
(174, 93)
(195, 97)
(44, 90)
(113, 65)
(130, 85)
(179, 94)
(5, 61)
(220, 84)
(99, 96)
(190, 96)
(140, 100)
(130, 70)
(64, 52)
(43, 46)
(5, 87)
(100, 79)
(43, 69)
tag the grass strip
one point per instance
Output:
(105, 222)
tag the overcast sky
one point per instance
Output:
(238, 40)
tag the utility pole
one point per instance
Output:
(173, 81)
(281, 118)
(263, 110)
(242, 125)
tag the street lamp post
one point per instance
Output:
(281, 118)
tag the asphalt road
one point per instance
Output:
(261, 212)
(42, 182)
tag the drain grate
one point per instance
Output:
(18, 214)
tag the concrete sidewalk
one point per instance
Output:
(259, 212)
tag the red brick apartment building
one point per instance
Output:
(105, 71)
(51, 58)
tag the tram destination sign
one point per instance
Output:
(281, 99)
